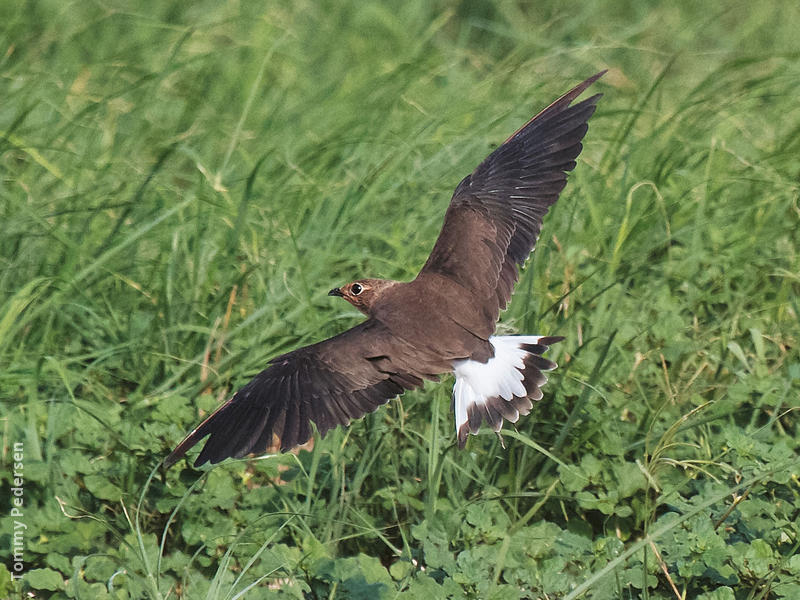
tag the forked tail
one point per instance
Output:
(504, 387)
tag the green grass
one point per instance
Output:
(183, 182)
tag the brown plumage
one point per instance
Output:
(440, 322)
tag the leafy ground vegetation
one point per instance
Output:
(183, 182)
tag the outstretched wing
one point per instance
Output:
(329, 384)
(495, 215)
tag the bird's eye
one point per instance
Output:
(356, 289)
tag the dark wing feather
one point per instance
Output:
(495, 215)
(329, 383)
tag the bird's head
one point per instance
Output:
(364, 293)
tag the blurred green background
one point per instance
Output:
(182, 182)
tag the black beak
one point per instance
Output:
(336, 292)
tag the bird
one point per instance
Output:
(441, 322)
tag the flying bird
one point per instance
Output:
(441, 322)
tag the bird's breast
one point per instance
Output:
(436, 317)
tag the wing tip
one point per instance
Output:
(181, 449)
(197, 434)
(586, 83)
(173, 458)
(581, 87)
(564, 101)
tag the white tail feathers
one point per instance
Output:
(502, 387)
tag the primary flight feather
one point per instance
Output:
(441, 322)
